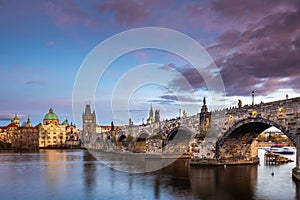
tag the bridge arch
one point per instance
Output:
(238, 140)
(181, 132)
(143, 135)
(177, 141)
(121, 138)
(140, 142)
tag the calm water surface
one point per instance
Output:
(65, 174)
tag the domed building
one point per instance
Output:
(52, 134)
(18, 137)
(51, 117)
(15, 120)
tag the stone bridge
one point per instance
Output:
(230, 134)
(165, 130)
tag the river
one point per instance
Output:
(74, 174)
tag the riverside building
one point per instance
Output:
(52, 134)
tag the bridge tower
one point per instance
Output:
(205, 117)
(89, 120)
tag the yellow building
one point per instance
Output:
(52, 134)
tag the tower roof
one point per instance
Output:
(88, 109)
(65, 122)
(15, 118)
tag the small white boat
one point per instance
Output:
(281, 150)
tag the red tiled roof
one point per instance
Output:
(12, 125)
(109, 127)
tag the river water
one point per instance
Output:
(74, 174)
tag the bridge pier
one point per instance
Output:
(296, 170)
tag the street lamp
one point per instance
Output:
(253, 93)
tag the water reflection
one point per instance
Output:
(232, 182)
(89, 171)
(77, 175)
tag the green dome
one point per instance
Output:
(15, 118)
(51, 115)
(65, 122)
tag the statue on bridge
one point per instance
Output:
(239, 103)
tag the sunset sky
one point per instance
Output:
(254, 44)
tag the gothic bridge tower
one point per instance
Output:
(205, 117)
(89, 120)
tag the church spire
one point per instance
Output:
(204, 107)
(28, 123)
(151, 112)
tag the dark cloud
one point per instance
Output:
(67, 12)
(161, 101)
(35, 82)
(131, 12)
(263, 54)
(256, 55)
(189, 73)
(170, 98)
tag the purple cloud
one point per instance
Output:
(130, 12)
(35, 82)
(68, 13)
(257, 48)
(50, 43)
(9, 117)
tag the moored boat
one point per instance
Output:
(281, 150)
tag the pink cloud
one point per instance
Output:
(132, 12)
(50, 43)
(69, 13)
(258, 43)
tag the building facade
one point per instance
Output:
(16, 137)
(52, 134)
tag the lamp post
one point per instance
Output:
(253, 93)
(179, 112)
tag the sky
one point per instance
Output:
(255, 45)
